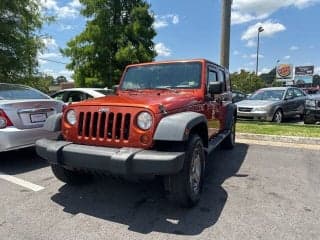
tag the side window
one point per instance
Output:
(76, 97)
(289, 93)
(298, 93)
(88, 96)
(212, 76)
(222, 78)
(58, 96)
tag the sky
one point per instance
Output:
(188, 29)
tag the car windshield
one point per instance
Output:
(272, 95)
(15, 92)
(163, 76)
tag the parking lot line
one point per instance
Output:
(21, 182)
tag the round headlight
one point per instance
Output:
(144, 120)
(3, 122)
(71, 117)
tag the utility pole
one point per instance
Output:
(260, 29)
(225, 33)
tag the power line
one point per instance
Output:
(49, 60)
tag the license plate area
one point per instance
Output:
(38, 117)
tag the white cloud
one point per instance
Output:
(165, 20)
(270, 28)
(264, 70)
(248, 10)
(294, 48)
(251, 43)
(49, 42)
(287, 57)
(70, 10)
(49, 4)
(254, 55)
(162, 50)
(236, 52)
(75, 4)
(67, 12)
(50, 55)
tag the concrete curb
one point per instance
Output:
(275, 138)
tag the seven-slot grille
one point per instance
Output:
(104, 125)
(244, 109)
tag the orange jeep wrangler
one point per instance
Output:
(164, 120)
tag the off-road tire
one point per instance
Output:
(230, 141)
(70, 177)
(309, 119)
(278, 116)
(178, 186)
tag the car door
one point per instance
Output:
(289, 105)
(299, 97)
(214, 103)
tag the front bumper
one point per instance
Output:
(118, 161)
(12, 138)
(255, 115)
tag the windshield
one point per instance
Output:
(15, 92)
(168, 75)
(272, 95)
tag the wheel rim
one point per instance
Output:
(195, 170)
(278, 117)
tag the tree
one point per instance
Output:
(316, 80)
(60, 79)
(269, 77)
(19, 44)
(246, 82)
(118, 32)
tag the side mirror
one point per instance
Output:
(115, 88)
(216, 88)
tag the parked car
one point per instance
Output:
(312, 109)
(238, 96)
(162, 122)
(311, 90)
(273, 104)
(72, 95)
(23, 111)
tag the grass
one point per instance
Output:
(283, 129)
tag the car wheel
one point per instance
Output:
(230, 140)
(185, 187)
(278, 116)
(309, 119)
(70, 177)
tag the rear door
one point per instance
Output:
(289, 105)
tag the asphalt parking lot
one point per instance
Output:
(252, 192)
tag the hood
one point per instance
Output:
(255, 103)
(170, 101)
(315, 97)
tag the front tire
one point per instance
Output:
(70, 177)
(185, 187)
(278, 116)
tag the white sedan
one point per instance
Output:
(79, 94)
(23, 111)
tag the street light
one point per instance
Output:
(260, 29)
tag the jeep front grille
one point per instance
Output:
(110, 126)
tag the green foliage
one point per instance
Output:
(246, 82)
(316, 80)
(118, 32)
(19, 44)
(41, 83)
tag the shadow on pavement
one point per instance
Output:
(20, 161)
(143, 207)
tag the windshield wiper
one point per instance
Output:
(165, 88)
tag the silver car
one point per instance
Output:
(23, 111)
(273, 104)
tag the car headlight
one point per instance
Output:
(71, 117)
(144, 120)
(260, 109)
(311, 103)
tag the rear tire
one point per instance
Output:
(309, 119)
(185, 187)
(70, 177)
(230, 141)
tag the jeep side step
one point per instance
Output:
(215, 142)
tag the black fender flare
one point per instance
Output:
(231, 113)
(53, 123)
(177, 127)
